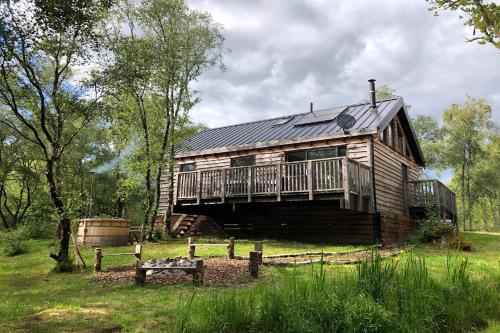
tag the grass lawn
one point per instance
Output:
(33, 299)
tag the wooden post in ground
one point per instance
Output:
(198, 273)
(253, 265)
(192, 249)
(140, 274)
(138, 252)
(98, 260)
(259, 247)
(230, 248)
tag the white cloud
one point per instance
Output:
(288, 53)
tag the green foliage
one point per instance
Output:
(481, 15)
(11, 242)
(468, 143)
(430, 138)
(382, 297)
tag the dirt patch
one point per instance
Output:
(220, 272)
(335, 259)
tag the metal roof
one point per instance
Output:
(271, 131)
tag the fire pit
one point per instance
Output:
(158, 266)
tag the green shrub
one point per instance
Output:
(436, 231)
(460, 243)
(11, 243)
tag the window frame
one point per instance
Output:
(233, 159)
(181, 167)
(307, 151)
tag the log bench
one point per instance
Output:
(197, 272)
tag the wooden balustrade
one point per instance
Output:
(307, 177)
(428, 193)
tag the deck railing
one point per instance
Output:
(428, 193)
(308, 177)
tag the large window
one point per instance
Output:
(188, 167)
(315, 154)
(243, 161)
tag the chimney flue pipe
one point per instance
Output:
(373, 99)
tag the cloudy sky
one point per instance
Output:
(288, 53)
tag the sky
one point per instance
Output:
(288, 53)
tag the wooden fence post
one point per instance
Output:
(230, 248)
(192, 249)
(259, 247)
(198, 273)
(253, 265)
(138, 252)
(98, 260)
(140, 274)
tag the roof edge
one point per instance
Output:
(274, 143)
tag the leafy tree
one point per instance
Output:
(481, 15)
(18, 177)
(40, 41)
(157, 90)
(486, 184)
(430, 137)
(465, 131)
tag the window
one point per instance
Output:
(242, 161)
(188, 167)
(315, 154)
(404, 172)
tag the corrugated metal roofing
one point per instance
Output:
(268, 130)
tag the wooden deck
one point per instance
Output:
(424, 194)
(334, 178)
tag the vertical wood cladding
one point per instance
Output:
(314, 221)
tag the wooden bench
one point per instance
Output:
(197, 272)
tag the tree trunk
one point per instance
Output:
(119, 207)
(63, 228)
(170, 196)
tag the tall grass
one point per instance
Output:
(380, 296)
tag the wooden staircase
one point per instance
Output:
(189, 225)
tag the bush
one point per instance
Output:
(11, 243)
(436, 231)
(459, 243)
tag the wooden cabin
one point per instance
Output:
(305, 177)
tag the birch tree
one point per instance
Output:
(40, 42)
(164, 49)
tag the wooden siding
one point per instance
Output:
(389, 186)
(396, 227)
(357, 149)
(310, 221)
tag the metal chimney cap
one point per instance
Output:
(372, 80)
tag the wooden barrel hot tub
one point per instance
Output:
(99, 231)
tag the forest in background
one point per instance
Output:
(113, 133)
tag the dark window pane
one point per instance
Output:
(321, 153)
(295, 156)
(342, 151)
(188, 167)
(404, 172)
(243, 161)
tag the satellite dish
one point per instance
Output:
(346, 121)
